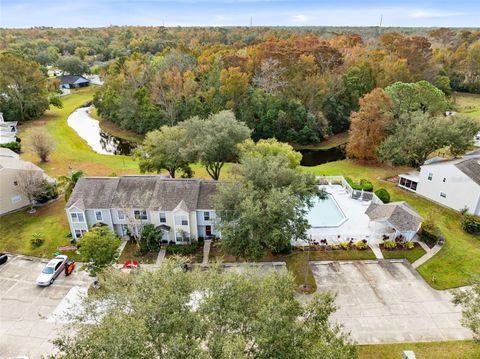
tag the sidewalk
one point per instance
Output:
(206, 251)
(376, 250)
(430, 253)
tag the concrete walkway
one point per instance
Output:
(430, 253)
(376, 250)
(160, 258)
(122, 246)
(206, 251)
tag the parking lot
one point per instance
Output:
(26, 325)
(387, 302)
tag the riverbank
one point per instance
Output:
(114, 130)
(327, 144)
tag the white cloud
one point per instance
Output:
(300, 19)
(421, 14)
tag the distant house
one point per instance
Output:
(11, 168)
(180, 208)
(452, 183)
(8, 130)
(72, 81)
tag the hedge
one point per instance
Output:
(364, 184)
(383, 194)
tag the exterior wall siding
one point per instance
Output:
(196, 223)
(459, 190)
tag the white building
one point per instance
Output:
(181, 208)
(452, 183)
(8, 130)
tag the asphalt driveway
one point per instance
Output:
(387, 301)
(26, 326)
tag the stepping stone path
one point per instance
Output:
(206, 251)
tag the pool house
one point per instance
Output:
(348, 214)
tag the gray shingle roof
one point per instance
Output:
(471, 167)
(152, 192)
(70, 79)
(399, 214)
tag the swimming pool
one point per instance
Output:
(326, 213)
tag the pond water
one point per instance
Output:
(89, 129)
(317, 157)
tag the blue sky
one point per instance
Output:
(93, 13)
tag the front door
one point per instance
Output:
(208, 231)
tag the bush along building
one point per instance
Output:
(180, 208)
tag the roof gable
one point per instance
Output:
(471, 168)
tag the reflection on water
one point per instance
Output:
(317, 157)
(89, 129)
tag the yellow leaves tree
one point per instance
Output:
(233, 85)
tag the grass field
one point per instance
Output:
(467, 104)
(50, 221)
(436, 350)
(410, 255)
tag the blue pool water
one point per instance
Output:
(325, 213)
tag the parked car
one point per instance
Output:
(3, 258)
(51, 271)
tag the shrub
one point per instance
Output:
(408, 244)
(471, 224)
(334, 247)
(150, 239)
(345, 245)
(183, 249)
(364, 184)
(36, 240)
(430, 233)
(390, 244)
(383, 195)
(49, 191)
(14, 146)
(361, 244)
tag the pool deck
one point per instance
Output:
(357, 224)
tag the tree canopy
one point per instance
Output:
(265, 209)
(170, 313)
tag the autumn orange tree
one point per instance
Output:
(367, 129)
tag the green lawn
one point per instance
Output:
(458, 263)
(435, 350)
(410, 255)
(467, 104)
(17, 228)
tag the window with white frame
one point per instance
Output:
(182, 236)
(140, 214)
(430, 176)
(206, 216)
(77, 217)
(124, 229)
(98, 215)
(443, 194)
(163, 217)
(181, 220)
(121, 215)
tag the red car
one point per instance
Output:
(129, 265)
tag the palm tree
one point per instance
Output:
(69, 182)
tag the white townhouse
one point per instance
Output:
(181, 208)
(452, 183)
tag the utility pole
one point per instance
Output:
(251, 21)
(381, 20)
(308, 263)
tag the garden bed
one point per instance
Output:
(193, 251)
(402, 253)
(130, 253)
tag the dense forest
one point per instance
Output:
(298, 85)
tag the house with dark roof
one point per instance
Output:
(451, 183)
(180, 208)
(72, 81)
(399, 216)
